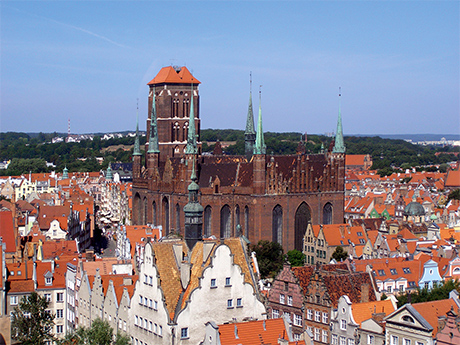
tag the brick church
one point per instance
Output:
(258, 195)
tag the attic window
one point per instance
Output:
(381, 273)
(406, 270)
(360, 233)
(393, 271)
(48, 281)
(407, 318)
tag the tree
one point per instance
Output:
(454, 195)
(339, 254)
(438, 292)
(100, 333)
(269, 257)
(31, 323)
(296, 257)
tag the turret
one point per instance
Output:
(153, 151)
(339, 146)
(249, 133)
(137, 155)
(193, 212)
(259, 155)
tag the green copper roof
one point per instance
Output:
(191, 138)
(65, 173)
(260, 148)
(153, 140)
(109, 175)
(137, 150)
(250, 118)
(339, 146)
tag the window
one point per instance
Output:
(151, 280)
(389, 288)
(407, 342)
(155, 305)
(145, 279)
(150, 326)
(370, 339)
(393, 271)
(335, 340)
(394, 340)
(150, 303)
(351, 342)
(296, 337)
(60, 297)
(48, 281)
(286, 286)
(411, 284)
(13, 300)
(141, 299)
(309, 314)
(359, 233)
(324, 340)
(184, 333)
(59, 329)
(298, 320)
(239, 302)
(343, 341)
(289, 300)
(317, 316)
(343, 325)
(146, 303)
(124, 325)
(282, 299)
(227, 281)
(381, 272)
(288, 316)
(275, 313)
(60, 313)
(317, 334)
(229, 303)
(160, 330)
(406, 270)
(213, 283)
(325, 317)
(48, 297)
(136, 320)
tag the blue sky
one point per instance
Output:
(396, 62)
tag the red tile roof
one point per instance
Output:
(253, 332)
(7, 230)
(433, 309)
(168, 75)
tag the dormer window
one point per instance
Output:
(48, 281)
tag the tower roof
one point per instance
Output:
(174, 75)
(153, 139)
(339, 146)
(260, 148)
(250, 118)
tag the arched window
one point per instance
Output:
(177, 218)
(277, 224)
(327, 213)
(207, 221)
(302, 218)
(154, 213)
(237, 216)
(166, 215)
(137, 209)
(225, 222)
(407, 318)
(246, 221)
(145, 213)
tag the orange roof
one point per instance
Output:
(253, 332)
(354, 159)
(168, 75)
(430, 311)
(453, 179)
(364, 311)
(7, 230)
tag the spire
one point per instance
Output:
(137, 150)
(109, 175)
(339, 146)
(153, 139)
(191, 138)
(193, 212)
(250, 118)
(65, 173)
(260, 148)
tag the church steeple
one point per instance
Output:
(339, 146)
(193, 212)
(191, 137)
(137, 149)
(260, 148)
(249, 133)
(153, 140)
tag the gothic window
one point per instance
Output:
(138, 208)
(144, 215)
(207, 221)
(166, 215)
(277, 224)
(302, 218)
(246, 221)
(327, 213)
(225, 222)
(185, 131)
(237, 215)
(177, 218)
(154, 213)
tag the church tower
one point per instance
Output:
(259, 154)
(249, 133)
(193, 212)
(173, 99)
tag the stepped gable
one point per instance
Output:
(349, 284)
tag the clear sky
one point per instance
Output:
(396, 62)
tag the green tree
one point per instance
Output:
(339, 254)
(454, 195)
(296, 257)
(438, 292)
(31, 323)
(100, 333)
(269, 257)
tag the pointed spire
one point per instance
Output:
(250, 118)
(339, 146)
(153, 139)
(137, 150)
(191, 138)
(260, 148)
